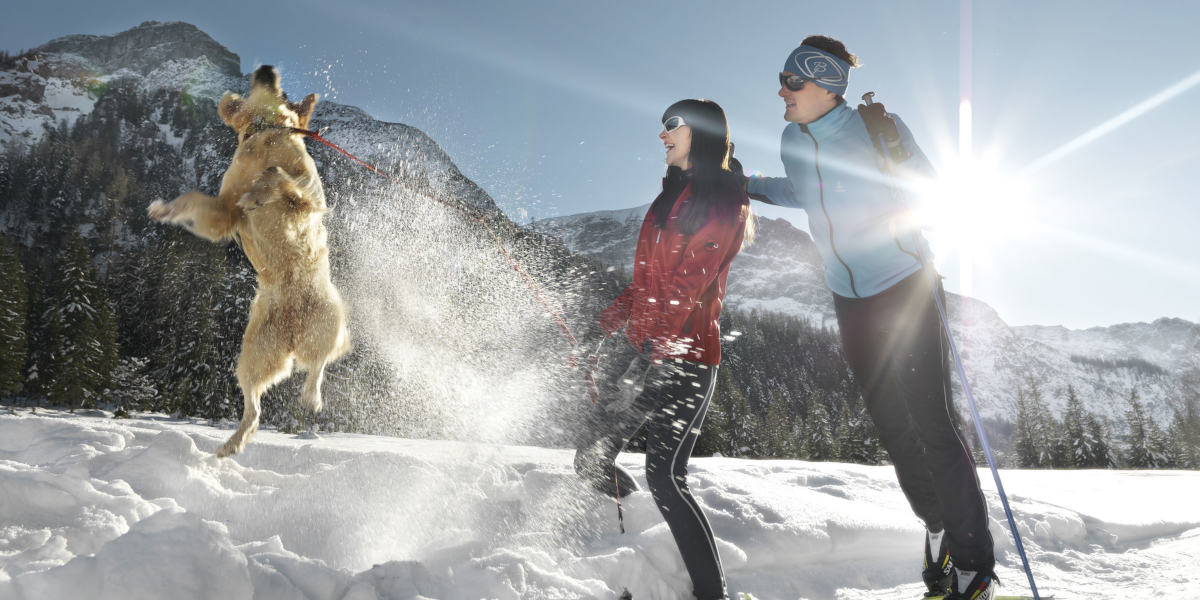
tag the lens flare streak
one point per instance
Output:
(1114, 123)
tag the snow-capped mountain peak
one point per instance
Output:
(61, 80)
(145, 48)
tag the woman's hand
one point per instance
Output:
(613, 319)
(630, 385)
(617, 314)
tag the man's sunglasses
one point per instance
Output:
(673, 123)
(792, 82)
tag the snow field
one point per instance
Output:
(101, 508)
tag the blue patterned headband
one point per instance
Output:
(823, 68)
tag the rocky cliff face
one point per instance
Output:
(61, 80)
(145, 48)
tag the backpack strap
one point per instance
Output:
(881, 127)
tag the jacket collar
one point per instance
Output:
(830, 123)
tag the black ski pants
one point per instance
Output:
(671, 408)
(895, 346)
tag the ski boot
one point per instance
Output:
(937, 566)
(973, 585)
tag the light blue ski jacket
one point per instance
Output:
(855, 209)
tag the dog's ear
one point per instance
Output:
(231, 103)
(304, 109)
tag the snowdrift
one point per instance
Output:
(130, 509)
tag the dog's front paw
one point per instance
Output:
(159, 211)
(256, 199)
(249, 201)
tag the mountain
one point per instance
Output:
(94, 128)
(61, 80)
(1167, 343)
(782, 272)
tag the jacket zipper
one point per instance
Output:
(821, 193)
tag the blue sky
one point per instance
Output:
(553, 108)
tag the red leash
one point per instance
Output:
(529, 282)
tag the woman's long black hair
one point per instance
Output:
(714, 184)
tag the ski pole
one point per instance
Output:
(987, 448)
(886, 138)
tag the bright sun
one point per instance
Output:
(970, 208)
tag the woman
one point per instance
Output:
(670, 314)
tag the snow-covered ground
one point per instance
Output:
(92, 507)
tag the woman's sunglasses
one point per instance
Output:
(792, 82)
(673, 123)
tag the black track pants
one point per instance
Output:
(895, 346)
(672, 409)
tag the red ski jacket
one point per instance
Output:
(678, 285)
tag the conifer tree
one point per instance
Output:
(1049, 433)
(184, 359)
(1077, 447)
(234, 290)
(1185, 426)
(1036, 439)
(1025, 435)
(778, 429)
(842, 442)
(14, 308)
(742, 425)
(132, 387)
(80, 331)
(714, 436)
(1139, 452)
(1101, 454)
(1166, 451)
(858, 440)
(817, 441)
(39, 349)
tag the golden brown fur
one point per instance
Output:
(272, 201)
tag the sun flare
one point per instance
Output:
(970, 208)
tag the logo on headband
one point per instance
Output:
(815, 65)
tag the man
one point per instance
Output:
(890, 328)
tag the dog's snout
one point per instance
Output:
(266, 75)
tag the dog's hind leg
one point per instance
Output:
(249, 424)
(261, 364)
(325, 341)
(310, 396)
